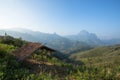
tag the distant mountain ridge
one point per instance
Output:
(87, 37)
(112, 41)
(70, 44)
(51, 40)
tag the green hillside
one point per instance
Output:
(50, 67)
(100, 52)
(106, 58)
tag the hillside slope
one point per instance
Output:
(100, 55)
(100, 51)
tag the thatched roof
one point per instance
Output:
(25, 51)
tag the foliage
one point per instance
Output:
(5, 49)
(18, 42)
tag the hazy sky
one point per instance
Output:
(62, 16)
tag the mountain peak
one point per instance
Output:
(83, 32)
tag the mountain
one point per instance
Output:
(52, 40)
(86, 37)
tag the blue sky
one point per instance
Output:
(63, 16)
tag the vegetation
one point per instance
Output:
(95, 67)
(106, 59)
